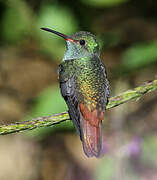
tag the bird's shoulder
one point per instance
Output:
(66, 70)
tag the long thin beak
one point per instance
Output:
(67, 38)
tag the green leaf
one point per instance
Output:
(104, 3)
(140, 55)
(14, 26)
(47, 103)
(60, 19)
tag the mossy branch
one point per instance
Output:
(58, 118)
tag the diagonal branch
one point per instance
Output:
(58, 118)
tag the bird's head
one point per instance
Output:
(81, 44)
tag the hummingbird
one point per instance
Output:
(84, 87)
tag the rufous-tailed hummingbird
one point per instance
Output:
(85, 88)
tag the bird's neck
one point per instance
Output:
(72, 55)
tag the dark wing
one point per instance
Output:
(106, 87)
(67, 87)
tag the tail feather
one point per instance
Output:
(92, 138)
(91, 130)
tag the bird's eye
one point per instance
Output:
(82, 42)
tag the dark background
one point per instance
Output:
(127, 32)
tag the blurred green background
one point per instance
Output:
(29, 57)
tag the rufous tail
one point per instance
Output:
(91, 131)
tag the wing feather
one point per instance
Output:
(67, 87)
